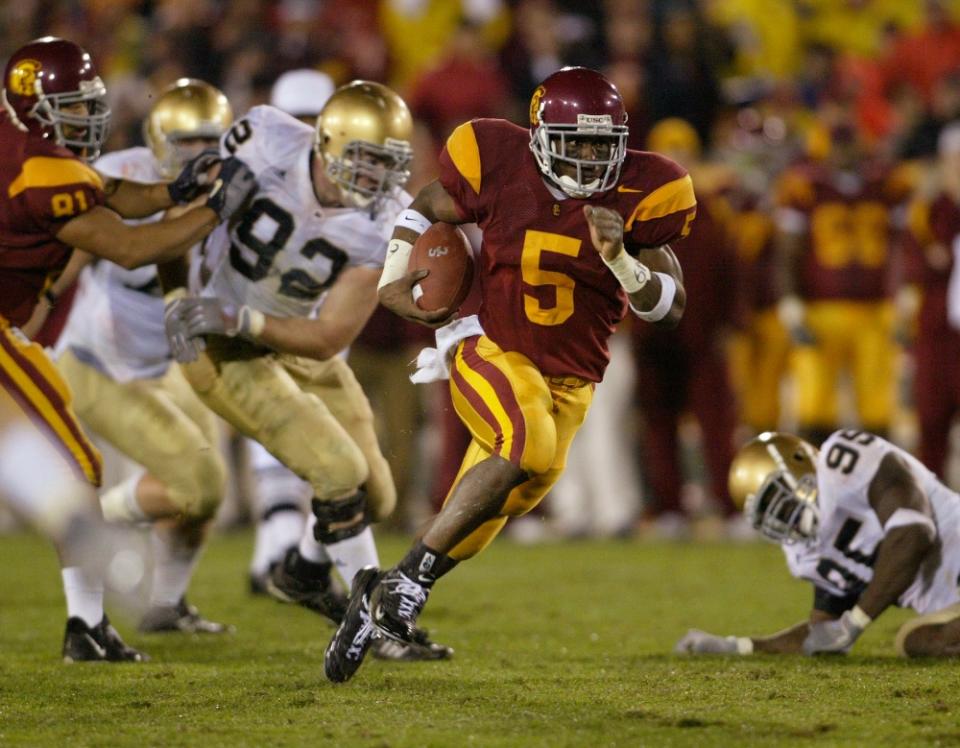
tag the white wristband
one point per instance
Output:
(859, 618)
(668, 292)
(903, 517)
(250, 322)
(744, 645)
(395, 266)
(412, 220)
(632, 274)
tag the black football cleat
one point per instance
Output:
(297, 580)
(183, 618)
(355, 634)
(80, 643)
(421, 649)
(115, 648)
(396, 603)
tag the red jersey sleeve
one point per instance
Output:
(463, 174)
(665, 210)
(55, 189)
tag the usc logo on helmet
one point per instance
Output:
(535, 105)
(24, 77)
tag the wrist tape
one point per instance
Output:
(632, 274)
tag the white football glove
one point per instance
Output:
(696, 641)
(836, 637)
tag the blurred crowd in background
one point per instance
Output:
(822, 124)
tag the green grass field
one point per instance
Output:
(557, 645)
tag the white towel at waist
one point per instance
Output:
(433, 364)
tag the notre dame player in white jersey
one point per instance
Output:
(115, 356)
(280, 292)
(868, 525)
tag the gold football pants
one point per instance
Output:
(855, 337)
(311, 415)
(159, 424)
(514, 411)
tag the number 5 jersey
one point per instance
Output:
(545, 291)
(286, 249)
(839, 561)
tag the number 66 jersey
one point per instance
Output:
(839, 561)
(286, 249)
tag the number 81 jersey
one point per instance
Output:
(840, 560)
(285, 249)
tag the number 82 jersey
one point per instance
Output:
(285, 249)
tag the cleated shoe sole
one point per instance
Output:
(353, 637)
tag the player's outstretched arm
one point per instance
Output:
(653, 280)
(395, 290)
(136, 200)
(101, 232)
(788, 641)
(346, 309)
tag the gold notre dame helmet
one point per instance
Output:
(774, 478)
(187, 108)
(363, 135)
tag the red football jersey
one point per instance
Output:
(937, 222)
(545, 292)
(847, 227)
(43, 186)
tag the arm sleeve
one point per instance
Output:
(461, 171)
(55, 190)
(665, 214)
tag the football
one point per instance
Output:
(442, 249)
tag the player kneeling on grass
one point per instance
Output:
(868, 525)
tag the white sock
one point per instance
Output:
(84, 593)
(173, 564)
(352, 554)
(278, 532)
(310, 548)
(119, 504)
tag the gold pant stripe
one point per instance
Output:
(35, 383)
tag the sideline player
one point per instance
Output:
(284, 290)
(54, 120)
(868, 525)
(837, 225)
(558, 204)
(116, 360)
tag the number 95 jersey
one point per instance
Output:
(285, 249)
(840, 560)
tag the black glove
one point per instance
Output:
(233, 187)
(191, 181)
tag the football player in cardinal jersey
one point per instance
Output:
(54, 120)
(280, 293)
(575, 231)
(115, 357)
(868, 525)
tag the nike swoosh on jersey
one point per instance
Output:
(621, 188)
